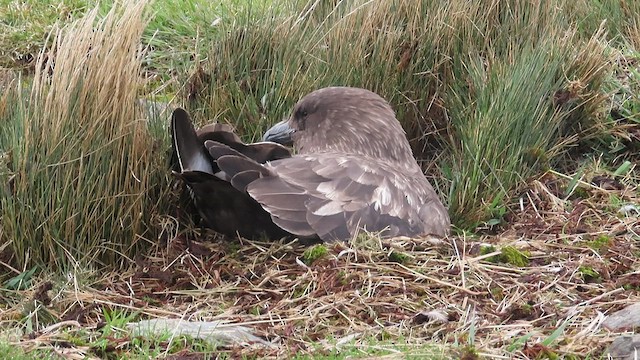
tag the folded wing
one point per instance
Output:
(336, 195)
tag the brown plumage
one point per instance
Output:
(354, 170)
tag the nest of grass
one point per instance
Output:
(542, 285)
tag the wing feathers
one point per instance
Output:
(232, 164)
(217, 149)
(190, 153)
(242, 179)
(329, 208)
(279, 197)
(300, 228)
(319, 192)
(330, 227)
(265, 151)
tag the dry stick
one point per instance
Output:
(266, 321)
(551, 284)
(504, 268)
(592, 300)
(583, 183)
(10, 267)
(535, 208)
(440, 282)
(469, 261)
(148, 311)
(56, 326)
(349, 320)
(258, 290)
(460, 262)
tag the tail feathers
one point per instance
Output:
(210, 131)
(218, 145)
(191, 154)
(221, 133)
(217, 149)
(241, 170)
(265, 151)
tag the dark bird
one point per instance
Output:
(353, 170)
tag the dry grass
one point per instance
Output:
(426, 296)
(87, 171)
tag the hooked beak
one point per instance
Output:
(280, 133)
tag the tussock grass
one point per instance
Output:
(516, 114)
(489, 93)
(87, 173)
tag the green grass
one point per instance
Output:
(181, 32)
(373, 347)
(10, 351)
(178, 33)
(589, 274)
(314, 253)
(619, 17)
(600, 243)
(508, 255)
(398, 257)
(24, 26)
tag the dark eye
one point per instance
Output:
(301, 116)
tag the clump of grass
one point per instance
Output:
(497, 293)
(515, 257)
(88, 174)
(508, 255)
(600, 243)
(484, 250)
(468, 352)
(589, 274)
(520, 107)
(314, 253)
(398, 257)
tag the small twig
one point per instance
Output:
(440, 282)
